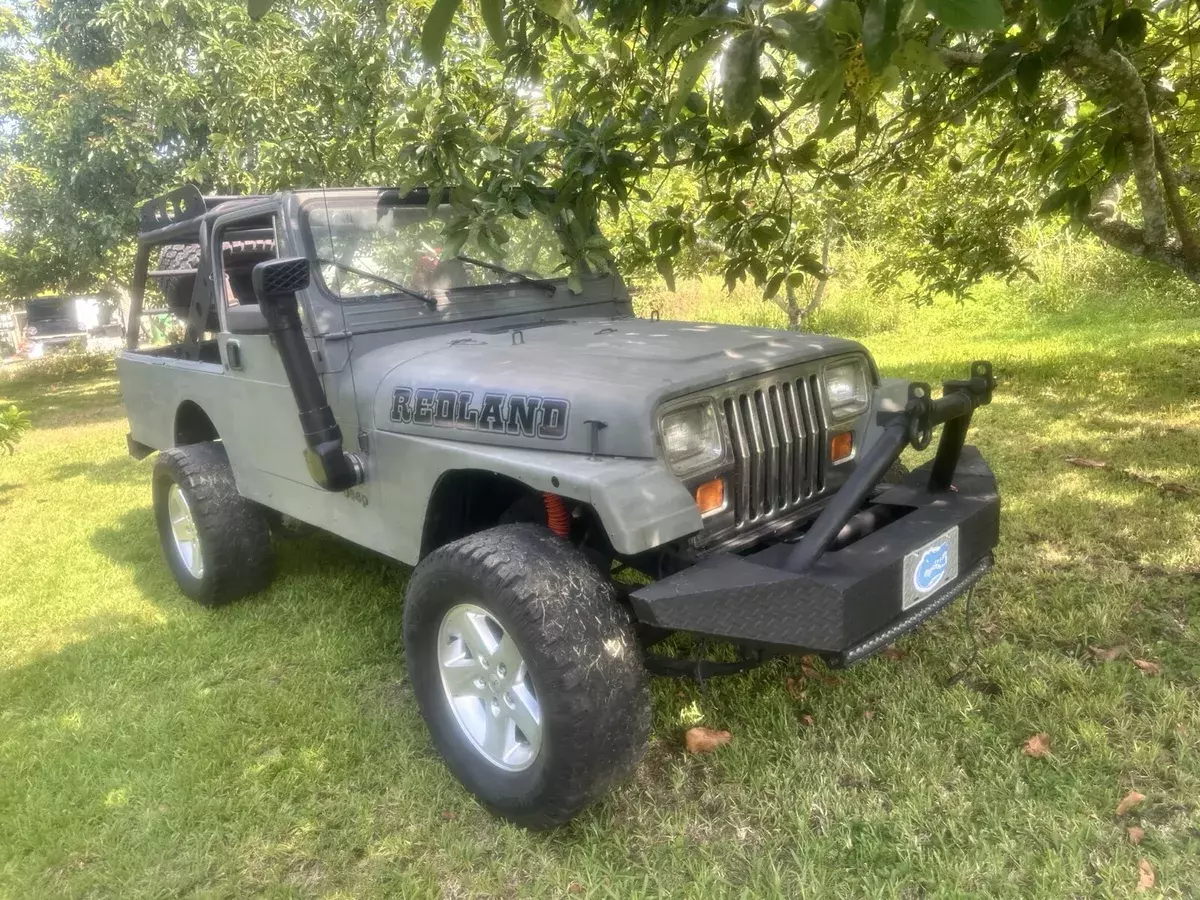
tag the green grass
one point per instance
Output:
(150, 748)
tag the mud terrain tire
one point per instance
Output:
(232, 533)
(579, 648)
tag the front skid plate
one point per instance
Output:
(849, 595)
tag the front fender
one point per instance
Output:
(640, 503)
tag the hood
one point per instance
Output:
(545, 385)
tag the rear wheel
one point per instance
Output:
(526, 671)
(216, 542)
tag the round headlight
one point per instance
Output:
(691, 438)
(846, 387)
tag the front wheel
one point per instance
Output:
(526, 671)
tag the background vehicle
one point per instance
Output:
(56, 322)
(462, 410)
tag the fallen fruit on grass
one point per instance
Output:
(808, 666)
(1145, 875)
(1135, 834)
(1132, 799)
(1147, 666)
(1038, 745)
(892, 652)
(1106, 655)
(575, 888)
(705, 740)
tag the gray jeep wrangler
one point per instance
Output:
(460, 409)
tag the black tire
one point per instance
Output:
(579, 647)
(177, 289)
(234, 537)
(240, 257)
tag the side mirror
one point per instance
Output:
(277, 278)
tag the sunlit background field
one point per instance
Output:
(151, 748)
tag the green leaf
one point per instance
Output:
(842, 180)
(1108, 38)
(1029, 74)
(666, 270)
(433, 32)
(806, 35)
(688, 29)
(773, 285)
(1131, 27)
(1080, 202)
(881, 32)
(811, 265)
(1114, 153)
(258, 8)
(493, 18)
(968, 15)
(1055, 201)
(575, 282)
(843, 17)
(1057, 10)
(741, 86)
(690, 72)
(561, 10)
(771, 88)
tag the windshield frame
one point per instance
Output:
(393, 197)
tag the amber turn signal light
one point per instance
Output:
(710, 496)
(841, 446)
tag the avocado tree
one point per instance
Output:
(107, 103)
(700, 134)
(1084, 108)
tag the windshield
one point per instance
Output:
(366, 248)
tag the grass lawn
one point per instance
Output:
(150, 748)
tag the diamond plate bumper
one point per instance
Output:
(851, 602)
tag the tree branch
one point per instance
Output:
(1125, 82)
(1183, 226)
(1105, 223)
(959, 58)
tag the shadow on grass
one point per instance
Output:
(116, 470)
(75, 400)
(245, 722)
(314, 562)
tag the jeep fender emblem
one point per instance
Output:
(523, 415)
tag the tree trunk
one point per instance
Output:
(792, 310)
(1166, 235)
(818, 294)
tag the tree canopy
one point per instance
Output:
(697, 134)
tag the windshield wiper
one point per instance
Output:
(363, 273)
(547, 286)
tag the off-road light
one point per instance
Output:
(841, 447)
(846, 388)
(710, 496)
(692, 438)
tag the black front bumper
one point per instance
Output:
(848, 603)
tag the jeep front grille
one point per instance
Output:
(778, 438)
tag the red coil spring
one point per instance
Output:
(557, 516)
